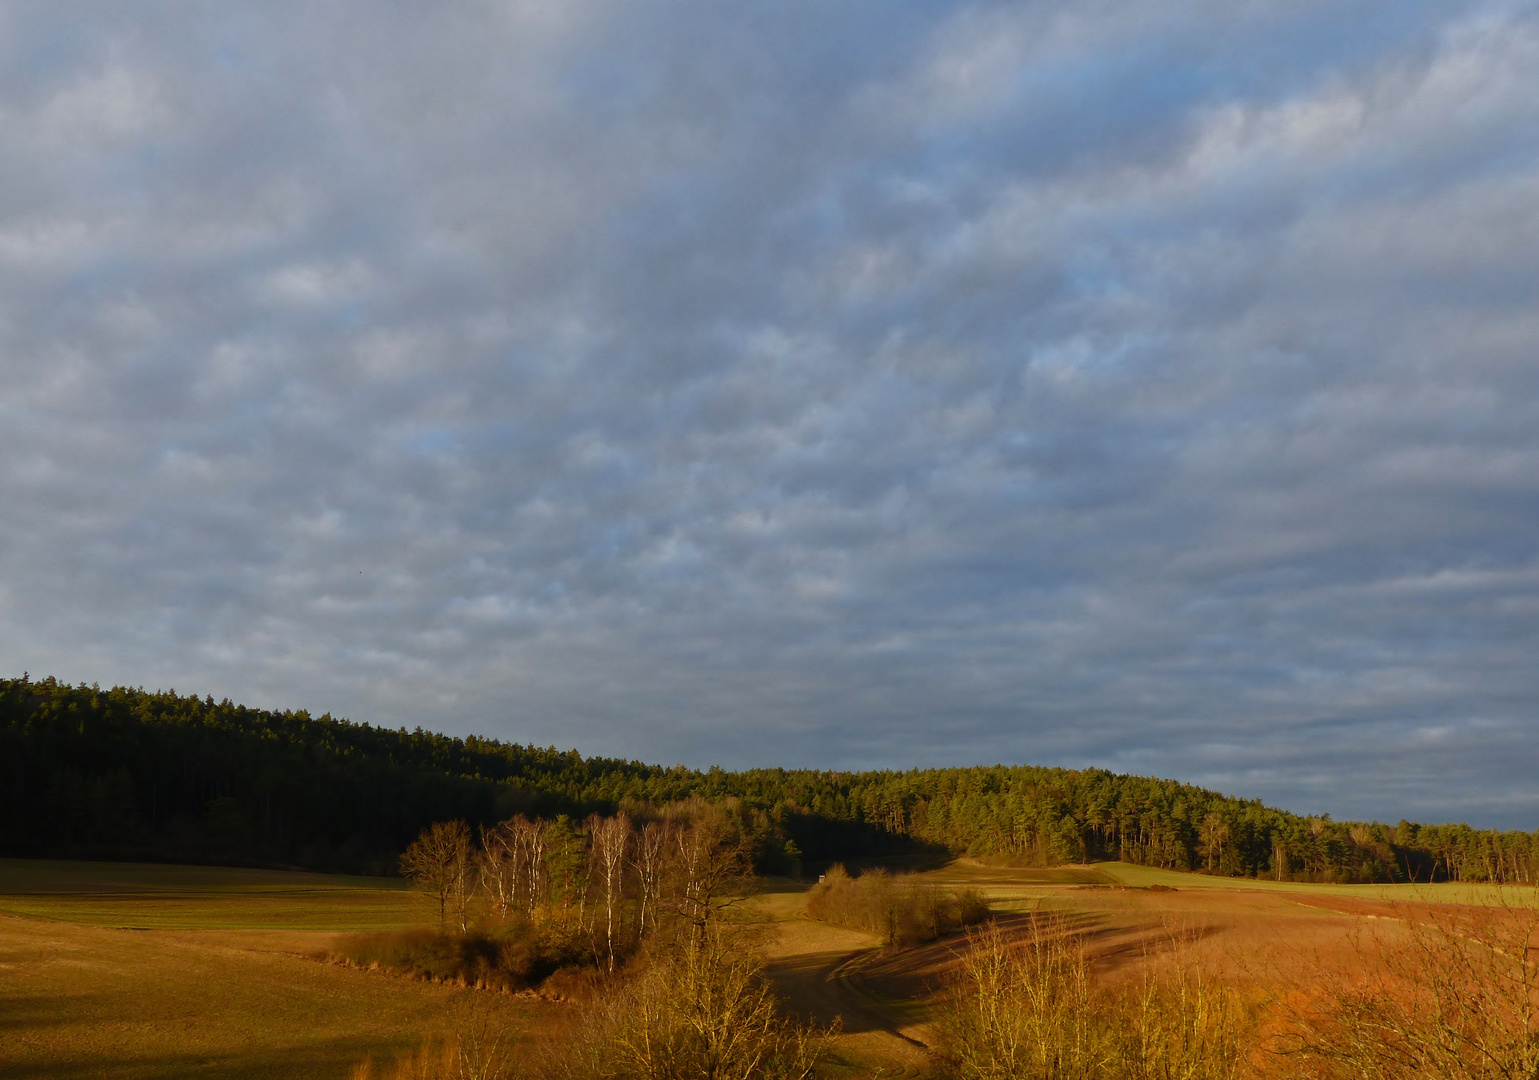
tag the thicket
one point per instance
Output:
(124, 773)
(896, 906)
(528, 898)
(676, 993)
(693, 1007)
(701, 1008)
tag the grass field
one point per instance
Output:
(128, 971)
(1257, 935)
(140, 896)
(215, 979)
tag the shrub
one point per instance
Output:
(901, 910)
(516, 956)
(700, 1009)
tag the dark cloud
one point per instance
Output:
(1149, 386)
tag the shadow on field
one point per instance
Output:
(893, 990)
(35, 1011)
(311, 1060)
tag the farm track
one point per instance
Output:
(829, 987)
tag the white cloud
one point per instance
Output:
(1142, 386)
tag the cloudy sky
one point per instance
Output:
(1151, 385)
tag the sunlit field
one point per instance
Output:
(123, 970)
(1266, 939)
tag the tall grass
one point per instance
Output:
(1025, 1008)
(480, 1046)
(901, 910)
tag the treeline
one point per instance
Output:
(125, 773)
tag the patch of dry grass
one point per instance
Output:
(224, 987)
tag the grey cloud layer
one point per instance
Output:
(1152, 386)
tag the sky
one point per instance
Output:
(1145, 385)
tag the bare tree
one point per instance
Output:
(439, 862)
(1451, 994)
(712, 856)
(651, 848)
(499, 865)
(611, 838)
(530, 839)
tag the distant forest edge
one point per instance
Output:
(128, 774)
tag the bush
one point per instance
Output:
(514, 957)
(700, 1009)
(901, 910)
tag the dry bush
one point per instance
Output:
(1184, 1026)
(515, 956)
(903, 911)
(701, 1010)
(1455, 996)
(1026, 1009)
(1021, 1010)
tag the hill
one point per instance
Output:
(130, 774)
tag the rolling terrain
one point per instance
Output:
(130, 970)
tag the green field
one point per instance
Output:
(1020, 888)
(1141, 877)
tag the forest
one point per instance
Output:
(126, 773)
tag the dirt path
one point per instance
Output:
(821, 971)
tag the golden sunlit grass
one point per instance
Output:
(219, 979)
(1255, 936)
(224, 986)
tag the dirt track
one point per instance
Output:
(824, 973)
(1251, 937)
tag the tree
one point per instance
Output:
(651, 848)
(712, 857)
(1214, 834)
(439, 861)
(610, 837)
(529, 842)
(499, 865)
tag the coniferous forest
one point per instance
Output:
(130, 774)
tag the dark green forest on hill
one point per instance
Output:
(129, 774)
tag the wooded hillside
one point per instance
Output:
(126, 773)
